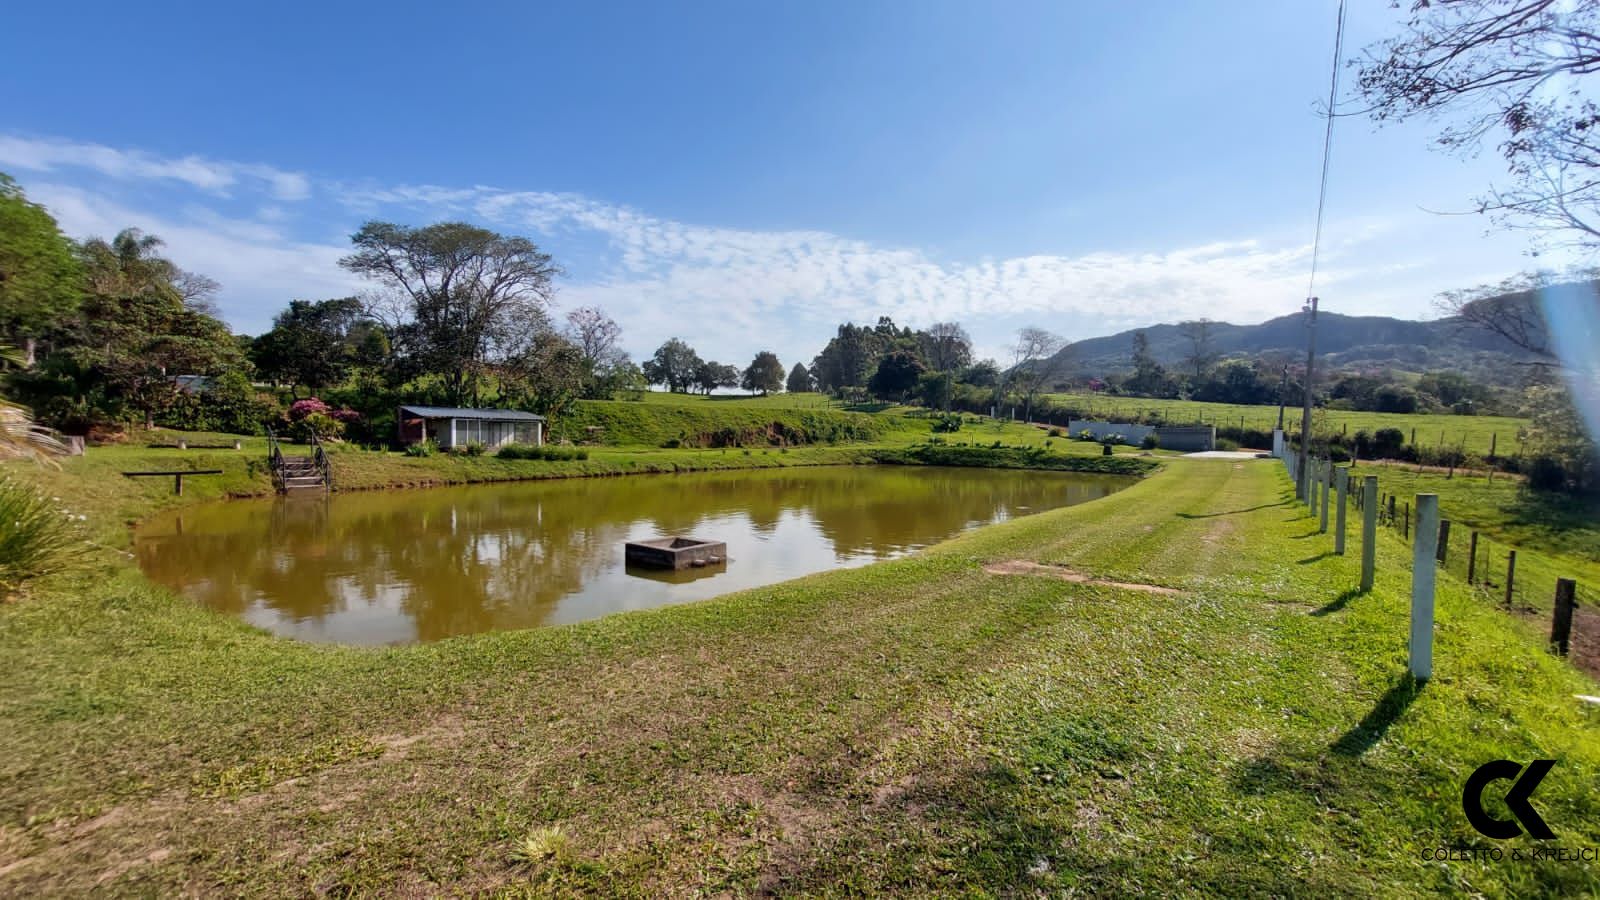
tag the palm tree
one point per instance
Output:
(129, 264)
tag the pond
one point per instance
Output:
(420, 565)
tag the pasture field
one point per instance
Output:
(1555, 536)
(1473, 433)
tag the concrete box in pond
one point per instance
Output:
(675, 552)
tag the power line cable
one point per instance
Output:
(1327, 148)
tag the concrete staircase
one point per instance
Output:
(301, 473)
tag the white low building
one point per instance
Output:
(449, 426)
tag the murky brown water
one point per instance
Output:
(420, 565)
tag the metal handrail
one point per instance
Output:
(320, 456)
(274, 459)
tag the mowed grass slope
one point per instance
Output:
(910, 727)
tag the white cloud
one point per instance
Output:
(52, 154)
(733, 291)
(259, 268)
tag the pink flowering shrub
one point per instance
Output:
(309, 406)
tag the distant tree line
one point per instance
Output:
(112, 333)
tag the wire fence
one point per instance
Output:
(1523, 582)
(1513, 577)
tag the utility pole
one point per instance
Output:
(1283, 391)
(1303, 488)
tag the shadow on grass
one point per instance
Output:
(1310, 534)
(1372, 727)
(1231, 512)
(1337, 603)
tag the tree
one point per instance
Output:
(764, 374)
(674, 365)
(800, 381)
(1148, 378)
(1564, 452)
(595, 334)
(545, 376)
(896, 376)
(982, 374)
(40, 276)
(1202, 355)
(134, 333)
(624, 377)
(711, 375)
(135, 344)
(132, 264)
(936, 390)
(1514, 72)
(946, 346)
(311, 343)
(1036, 357)
(460, 297)
(849, 358)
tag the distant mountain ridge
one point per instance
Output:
(1343, 342)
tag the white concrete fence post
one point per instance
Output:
(1424, 548)
(1325, 484)
(1341, 479)
(1311, 485)
(1369, 530)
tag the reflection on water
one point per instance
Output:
(399, 566)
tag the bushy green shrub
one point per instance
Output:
(35, 535)
(949, 423)
(1388, 443)
(423, 448)
(544, 452)
(474, 448)
(1545, 473)
(1086, 434)
(1055, 432)
(1150, 441)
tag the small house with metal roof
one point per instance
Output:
(450, 427)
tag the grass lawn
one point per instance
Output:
(1472, 432)
(923, 725)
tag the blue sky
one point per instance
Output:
(746, 175)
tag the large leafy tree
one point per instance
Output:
(674, 364)
(133, 345)
(141, 322)
(1513, 73)
(851, 356)
(312, 344)
(546, 376)
(896, 375)
(764, 374)
(459, 298)
(40, 277)
(710, 375)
